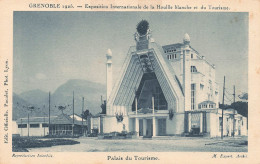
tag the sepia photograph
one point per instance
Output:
(130, 82)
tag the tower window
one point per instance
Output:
(192, 96)
(193, 69)
(191, 56)
(201, 87)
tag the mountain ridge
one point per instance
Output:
(63, 96)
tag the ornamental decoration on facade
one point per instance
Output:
(171, 114)
(142, 30)
(119, 117)
(142, 27)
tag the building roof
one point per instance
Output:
(179, 45)
(77, 117)
(35, 119)
(176, 45)
(61, 119)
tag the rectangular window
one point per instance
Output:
(192, 96)
(44, 125)
(34, 125)
(191, 56)
(22, 125)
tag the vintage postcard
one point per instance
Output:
(129, 81)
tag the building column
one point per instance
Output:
(109, 73)
(91, 124)
(98, 124)
(144, 126)
(137, 126)
(154, 126)
(186, 74)
(154, 121)
(189, 122)
(230, 126)
(201, 122)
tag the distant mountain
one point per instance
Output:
(82, 88)
(36, 96)
(20, 107)
(63, 96)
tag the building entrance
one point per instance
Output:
(149, 87)
(149, 128)
(161, 127)
(141, 127)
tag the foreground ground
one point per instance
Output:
(21, 144)
(158, 144)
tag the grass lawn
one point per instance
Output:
(20, 144)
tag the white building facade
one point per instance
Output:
(165, 90)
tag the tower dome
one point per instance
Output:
(109, 53)
(186, 39)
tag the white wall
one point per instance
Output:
(110, 124)
(33, 131)
(214, 125)
(14, 128)
(244, 127)
(176, 125)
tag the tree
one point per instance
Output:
(61, 108)
(241, 107)
(86, 114)
(243, 96)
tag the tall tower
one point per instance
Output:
(109, 73)
(186, 73)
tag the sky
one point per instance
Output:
(53, 47)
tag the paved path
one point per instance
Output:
(159, 144)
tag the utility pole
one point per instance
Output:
(29, 109)
(49, 112)
(222, 127)
(73, 115)
(82, 114)
(234, 94)
(21, 127)
(44, 125)
(28, 125)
